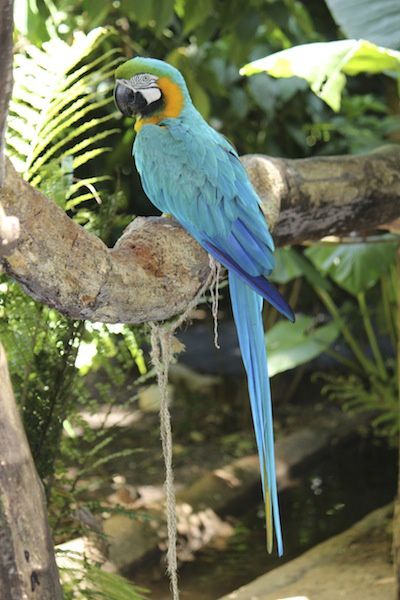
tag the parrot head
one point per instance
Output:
(150, 90)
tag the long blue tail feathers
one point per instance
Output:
(247, 307)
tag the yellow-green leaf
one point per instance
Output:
(325, 65)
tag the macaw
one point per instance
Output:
(193, 173)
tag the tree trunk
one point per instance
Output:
(28, 569)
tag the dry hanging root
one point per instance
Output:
(216, 270)
(161, 354)
(162, 336)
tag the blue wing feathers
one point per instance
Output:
(258, 251)
(259, 283)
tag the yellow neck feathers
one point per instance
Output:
(173, 99)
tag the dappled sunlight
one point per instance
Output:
(236, 596)
(295, 598)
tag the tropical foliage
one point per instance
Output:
(325, 65)
(83, 580)
(62, 128)
(374, 383)
(364, 318)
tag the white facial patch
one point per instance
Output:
(151, 94)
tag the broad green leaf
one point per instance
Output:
(263, 92)
(310, 272)
(97, 11)
(239, 102)
(200, 98)
(140, 11)
(286, 268)
(163, 15)
(325, 65)
(179, 8)
(195, 14)
(29, 22)
(355, 267)
(378, 22)
(292, 344)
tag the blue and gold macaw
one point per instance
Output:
(193, 173)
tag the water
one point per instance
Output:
(327, 497)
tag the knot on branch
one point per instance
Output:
(268, 178)
(9, 233)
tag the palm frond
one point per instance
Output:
(60, 107)
(83, 580)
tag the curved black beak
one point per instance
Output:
(128, 102)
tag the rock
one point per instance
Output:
(130, 540)
(353, 565)
(193, 381)
(149, 397)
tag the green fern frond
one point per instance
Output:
(95, 72)
(87, 182)
(83, 580)
(58, 105)
(111, 586)
(97, 78)
(75, 114)
(89, 155)
(70, 137)
(92, 194)
(71, 204)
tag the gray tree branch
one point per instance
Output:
(156, 268)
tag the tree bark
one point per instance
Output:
(329, 195)
(156, 268)
(6, 52)
(9, 226)
(28, 569)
